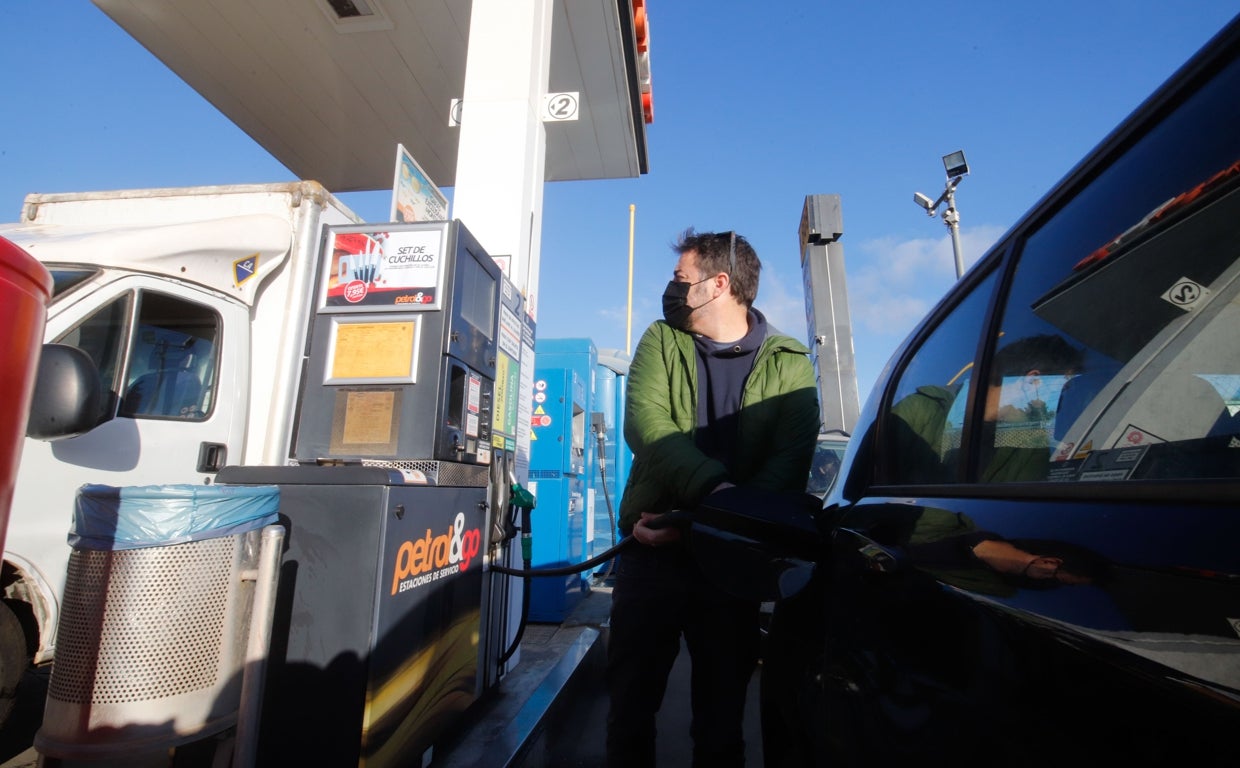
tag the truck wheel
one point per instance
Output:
(13, 660)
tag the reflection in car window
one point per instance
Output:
(924, 426)
(825, 467)
(1137, 277)
(1026, 381)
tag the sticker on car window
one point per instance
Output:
(1185, 294)
(1115, 464)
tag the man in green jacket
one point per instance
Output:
(716, 397)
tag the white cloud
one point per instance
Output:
(892, 283)
(783, 306)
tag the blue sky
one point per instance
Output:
(756, 106)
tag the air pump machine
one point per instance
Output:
(381, 625)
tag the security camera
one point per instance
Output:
(923, 201)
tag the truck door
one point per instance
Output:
(173, 360)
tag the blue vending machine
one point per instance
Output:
(561, 463)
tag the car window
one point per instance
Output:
(925, 422)
(825, 466)
(169, 369)
(1118, 356)
(102, 336)
(65, 279)
(172, 360)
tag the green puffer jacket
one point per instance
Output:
(777, 429)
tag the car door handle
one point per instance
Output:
(874, 556)
(211, 457)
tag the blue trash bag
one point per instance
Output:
(108, 518)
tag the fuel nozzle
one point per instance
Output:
(523, 500)
(521, 497)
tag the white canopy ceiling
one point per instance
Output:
(330, 97)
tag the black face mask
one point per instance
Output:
(676, 309)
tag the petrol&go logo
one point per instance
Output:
(432, 557)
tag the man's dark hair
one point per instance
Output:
(715, 252)
(1047, 353)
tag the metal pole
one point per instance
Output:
(628, 323)
(253, 677)
(951, 217)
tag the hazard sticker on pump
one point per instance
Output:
(475, 393)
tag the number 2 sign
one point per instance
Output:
(558, 107)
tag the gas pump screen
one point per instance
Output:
(478, 294)
(369, 270)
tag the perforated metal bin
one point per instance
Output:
(152, 638)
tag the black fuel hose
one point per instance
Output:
(566, 570)
(675, 517)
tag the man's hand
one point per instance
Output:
(654, 537)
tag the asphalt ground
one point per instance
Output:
(577, 738)
(572, 736)
(17, 735)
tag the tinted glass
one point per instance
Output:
(1119, 353)
(66, 278)
(102, 336)
(825, 466)
(923, 428)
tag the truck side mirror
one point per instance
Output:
(68, 394)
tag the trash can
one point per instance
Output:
(158, 608)
(25, 286)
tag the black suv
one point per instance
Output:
(1033, 552)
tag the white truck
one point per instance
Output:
(193, 305)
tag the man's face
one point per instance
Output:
(700, 289)
(687, 271)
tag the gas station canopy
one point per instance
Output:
(329, 87)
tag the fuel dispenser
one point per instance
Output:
(561, 465)
(383, 616)
(403, 347)
(557, 480)
(510, 463)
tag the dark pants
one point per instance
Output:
(658, 595)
